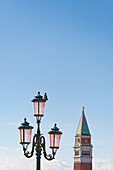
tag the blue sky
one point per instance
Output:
(64, 48)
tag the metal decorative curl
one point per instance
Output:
(39, 144)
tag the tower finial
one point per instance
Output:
(83, 108)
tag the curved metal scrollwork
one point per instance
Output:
(27, 153)
(48, 157)
(41, 140)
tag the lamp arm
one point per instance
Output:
(48, 157)
(27, 153)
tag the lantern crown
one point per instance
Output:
(40, 98)
(55, 129)
(25, 125)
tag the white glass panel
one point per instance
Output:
(41, 108)
(21, 135)
(57, 140)
(51, 136)
(39, 111)
(35, 108)
(27, 135)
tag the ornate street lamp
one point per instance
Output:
(25, 132)
(38, 143)
(39, 105)
(54, 136)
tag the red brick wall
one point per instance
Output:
(88, 140)
(82, 140)
(77, 166)
(82, 166)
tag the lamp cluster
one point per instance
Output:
(38, 143)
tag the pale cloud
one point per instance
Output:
(2, 148)
(55, 165)
(103, 164)
(15, 162)
(20, 162)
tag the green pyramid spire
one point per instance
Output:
(83, 126)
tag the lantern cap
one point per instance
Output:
(40, 98)
(25, 125)
(55, 130)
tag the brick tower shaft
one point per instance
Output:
(83, 147)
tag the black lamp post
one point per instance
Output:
(38, 139)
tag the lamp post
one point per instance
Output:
(38, 142)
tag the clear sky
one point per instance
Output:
(64, 48)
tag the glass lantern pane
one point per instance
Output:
(27, 135)
(35, 107)
(41, 108)
(55, 140)
(21, 135)
(38, 108)
(51, 138)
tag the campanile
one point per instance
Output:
(83, 147)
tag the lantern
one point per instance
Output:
(54, 136)
(39, 104)
(25, 132)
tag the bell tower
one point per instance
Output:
(83, 147)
